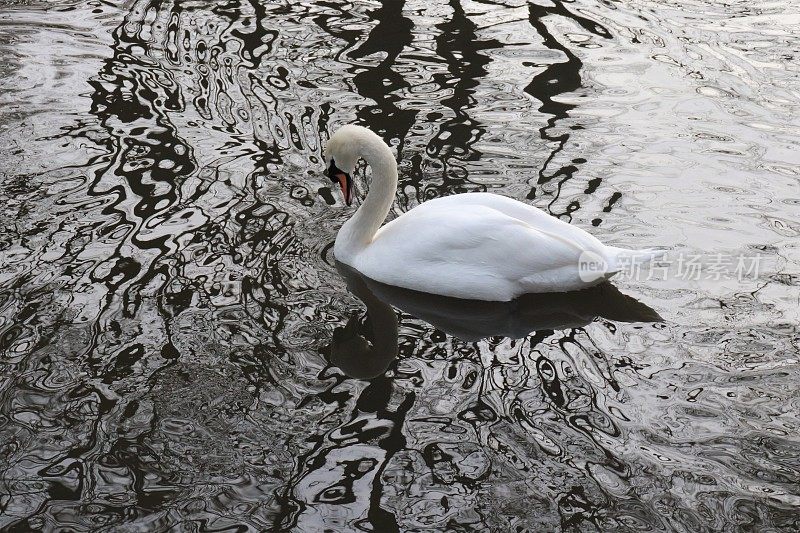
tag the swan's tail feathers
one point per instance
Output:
(620, 259)
(601, 265)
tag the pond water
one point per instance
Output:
(180, 351)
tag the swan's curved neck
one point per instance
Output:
(360, 229)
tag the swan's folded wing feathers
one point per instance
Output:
(482, 247)
(515, 209)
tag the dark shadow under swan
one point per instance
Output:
(365, 350)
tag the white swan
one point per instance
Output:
(476, 246)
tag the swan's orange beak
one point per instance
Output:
(347, 190)
(337, 175)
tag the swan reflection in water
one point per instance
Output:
(365, 351)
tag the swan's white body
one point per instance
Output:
(476, 246)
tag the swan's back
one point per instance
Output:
(515, 209)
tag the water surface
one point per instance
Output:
(169, 296)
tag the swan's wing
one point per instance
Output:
(529, 214)
(469, 251)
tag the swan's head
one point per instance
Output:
(344, 149)
(341, 155)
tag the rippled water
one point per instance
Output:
(170, 305)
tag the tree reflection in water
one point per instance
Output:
(170, 302)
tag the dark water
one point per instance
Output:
(168, 295)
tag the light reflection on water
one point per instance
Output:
(169, 297)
